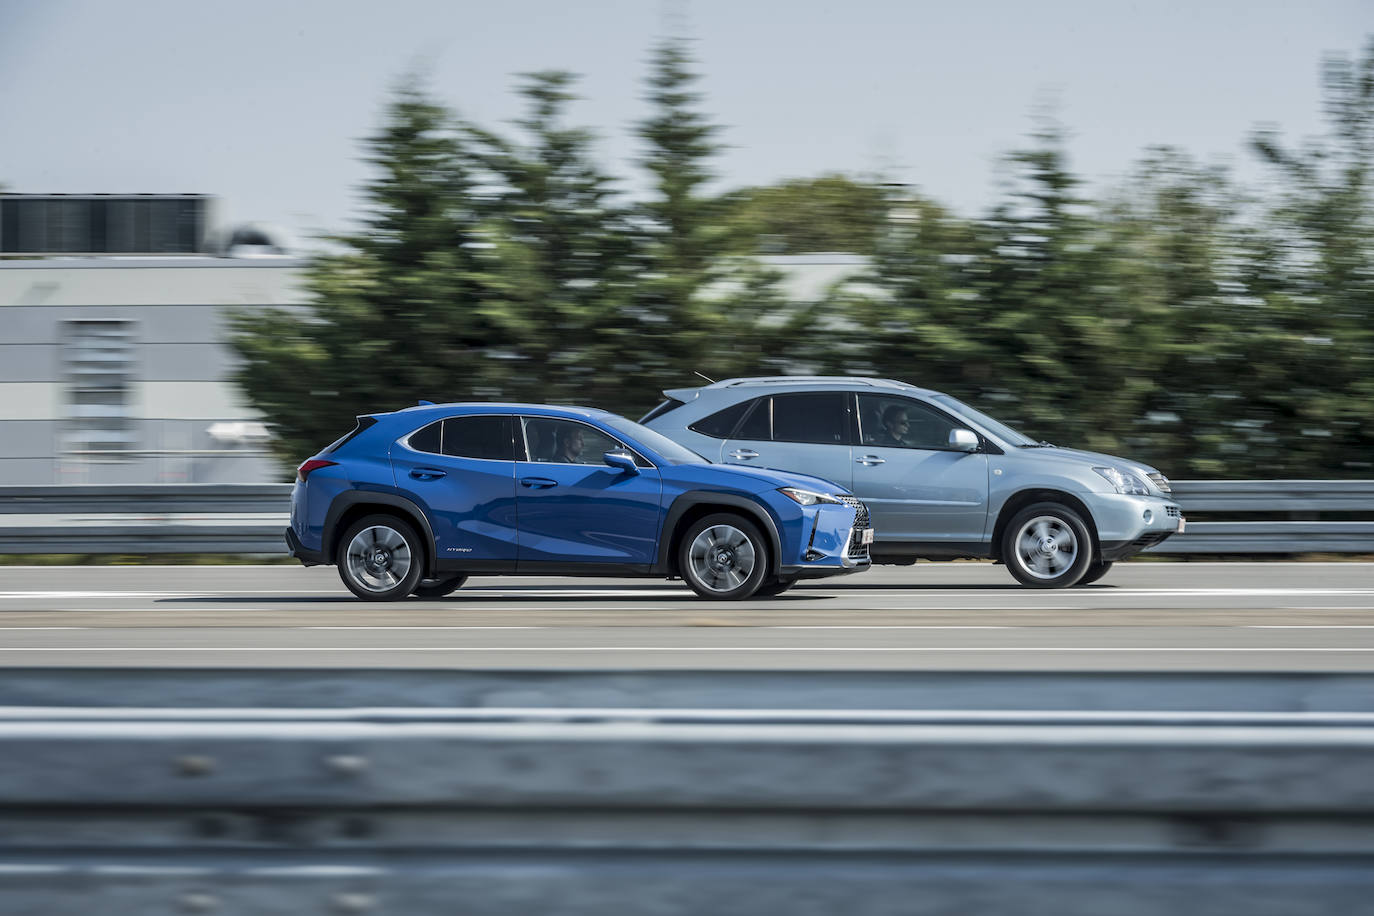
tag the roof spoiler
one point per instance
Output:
(681, 394)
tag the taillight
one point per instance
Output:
(314, 464)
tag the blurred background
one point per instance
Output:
(1139, 229)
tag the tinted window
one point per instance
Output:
(818, 417)
(721, 423)
(759, 423)
(902, 423)
(427, 439)
(669, 405)
(479, 437)
(570, 442)
(363, 424)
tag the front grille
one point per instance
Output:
(857, 549)
(1171, 511)
(1162, 482)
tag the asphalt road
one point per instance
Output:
(1143, 616)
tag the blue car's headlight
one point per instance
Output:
(1125, 482)
(808, 497)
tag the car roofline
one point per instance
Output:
(497, 407)
(846, 382)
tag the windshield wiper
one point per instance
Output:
(1041, 444)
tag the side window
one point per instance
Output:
(570, 442)
(818, 417)
(759, 423)
(486, 437)
(902, 423)
(427, 439)
(722, 423)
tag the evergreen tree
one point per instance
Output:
(398, 315)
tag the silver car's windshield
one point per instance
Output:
(669, 450)
(1000, 430)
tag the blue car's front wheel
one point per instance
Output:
(723, 556)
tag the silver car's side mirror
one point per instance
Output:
(963, 440)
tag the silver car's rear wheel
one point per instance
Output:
(380, 559)
(1047, 545)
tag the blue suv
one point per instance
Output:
(942, 479)
(414, 502)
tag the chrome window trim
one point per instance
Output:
(956, 421)
(405, 440)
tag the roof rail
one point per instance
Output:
(807, 379)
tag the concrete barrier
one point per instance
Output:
(852, 793)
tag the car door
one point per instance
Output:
(916, 487)
(461, 471)
(575, 510)
(804, 431)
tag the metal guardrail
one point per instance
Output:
(818, 806)
(250, 518)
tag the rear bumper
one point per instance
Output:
(301, 552)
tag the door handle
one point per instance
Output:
(743, 453)
(426, 473)
(537, 483)
(869, 460)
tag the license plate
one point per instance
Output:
(1182, 523)
(867, 536)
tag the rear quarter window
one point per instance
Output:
(667, 406)
(722, 423)
(364, 424)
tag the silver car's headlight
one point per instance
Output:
(808, 497)
(1125, 482)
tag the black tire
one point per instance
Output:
(1095, 572)
(774, 587)
(1047, 545)
(380, 558)
(438, 588)
(724, 557)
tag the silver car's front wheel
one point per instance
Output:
(379, 558)
(1047, 545)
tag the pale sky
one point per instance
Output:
(263, 102)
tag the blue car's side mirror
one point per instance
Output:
(622, 460)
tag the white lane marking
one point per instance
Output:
(399, 627)
(1310, 626)
(535, 593)
(878, 626)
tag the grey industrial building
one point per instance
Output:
(113, 365)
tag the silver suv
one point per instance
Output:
(941, 479)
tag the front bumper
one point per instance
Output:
(840, 536)
(1127, 525)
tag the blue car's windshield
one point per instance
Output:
(1000, 430)
(669, 450)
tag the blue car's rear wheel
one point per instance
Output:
(380, 558)
(723, 556)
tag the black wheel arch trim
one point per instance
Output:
(691, 499)
(350, 498)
